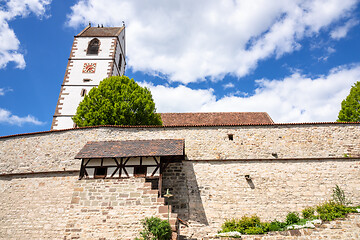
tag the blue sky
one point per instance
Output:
(296, 60)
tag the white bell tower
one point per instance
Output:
(97, 53)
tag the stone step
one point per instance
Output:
(147, 184)
(165, 209)
(171, 215)
(150, 191)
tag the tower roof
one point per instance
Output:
(100, 32)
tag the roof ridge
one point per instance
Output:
(84, 30)
(120, 30)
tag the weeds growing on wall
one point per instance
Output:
(327, 211)
(155, 229)
(339, 196)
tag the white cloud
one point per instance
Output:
(341, 31)
(9, 47)
(9, 118)
(296, 98)
(228, 85)
(325, 57)
(189, 40)
(179, 99)
(3, 91)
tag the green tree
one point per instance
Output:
(117, 101)
(350, 107)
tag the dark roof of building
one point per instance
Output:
(215, 118)
(133, 148)
(100, 32)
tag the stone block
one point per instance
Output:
(164, 209)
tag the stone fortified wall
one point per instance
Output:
(55, 151)
(207, 193)
(290, 167)
(59, 206)
(35, 206)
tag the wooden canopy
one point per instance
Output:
(132, 148)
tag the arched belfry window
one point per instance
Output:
(93, 47)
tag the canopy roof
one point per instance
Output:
(132, 148)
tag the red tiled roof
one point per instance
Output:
(133, 148)
(215, 118)
(100, 32)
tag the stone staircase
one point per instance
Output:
(165, 212)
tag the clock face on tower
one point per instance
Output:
(89, 68)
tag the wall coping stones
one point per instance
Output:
(186, 126)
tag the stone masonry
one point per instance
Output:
(55, 150)
(218, 190)
(111, 208)
(290, 167)
(35, 206)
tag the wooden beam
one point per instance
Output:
(157, 167)
(126, 160)
(82, 169)
(160, 185)
(87, 162)
(115, 171)
(156, 160)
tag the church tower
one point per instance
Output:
(97, 53)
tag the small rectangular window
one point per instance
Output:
(100, 172)
(140, 171)
(231, 137)
(83, 92)
(120, 61)
(86, 80)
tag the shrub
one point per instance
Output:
(277, 226)
(247, 222)
(308, 213)
(155, 229)
(245, 225)
(292, 218)
(254, 230)
(229, 226)
(330, 210)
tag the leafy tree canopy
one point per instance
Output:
(117, 101)
(350, 107)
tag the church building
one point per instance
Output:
(96, 53)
